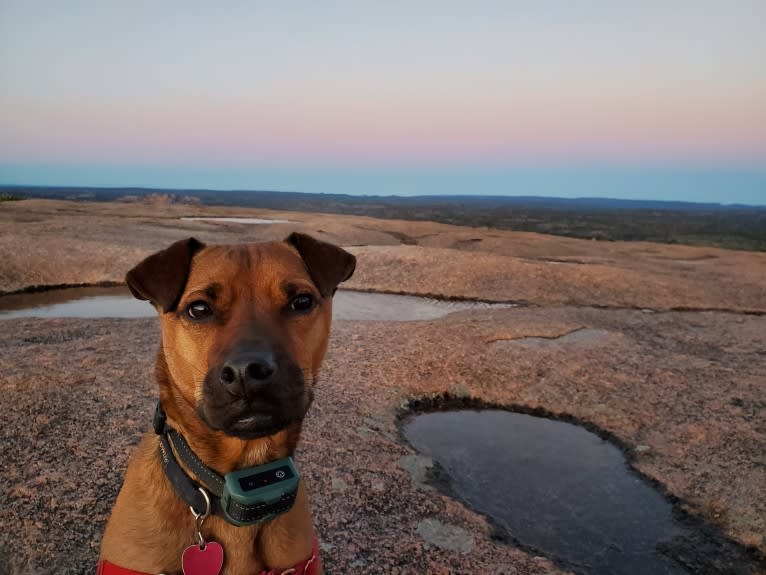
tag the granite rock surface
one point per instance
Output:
(661, 348)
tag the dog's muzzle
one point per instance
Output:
(257, 390)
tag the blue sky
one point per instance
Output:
(718, 185)
(570, 98)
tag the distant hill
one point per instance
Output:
(729, 226)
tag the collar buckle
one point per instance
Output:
(159, 421)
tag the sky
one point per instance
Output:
(659, 99)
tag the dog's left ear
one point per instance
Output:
(161, 277)
(327, 264)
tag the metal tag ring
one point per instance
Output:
(204, 515)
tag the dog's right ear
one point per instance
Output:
(161, 277)
(327, 264)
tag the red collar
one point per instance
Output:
(308, 567)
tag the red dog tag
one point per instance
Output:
(207, 560)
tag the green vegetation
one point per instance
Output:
(743, 229)
(9, 197)
(726, 226)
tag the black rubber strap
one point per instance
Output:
(212, 480)
(255, 513)
(185, 487)
(182, 484)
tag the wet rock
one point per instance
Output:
(418, 467)
(444, 536)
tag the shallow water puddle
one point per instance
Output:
(357, 305)
(84, 302)
(236, 220)
(554, 487)
(94, 302)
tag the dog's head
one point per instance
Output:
(244, 327)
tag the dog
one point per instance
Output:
(244, 329)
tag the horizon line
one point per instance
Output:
(192, 191)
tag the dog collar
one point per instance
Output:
(243, 497)
(308, 567)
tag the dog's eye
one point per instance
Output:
(198, 310)
(303, 302)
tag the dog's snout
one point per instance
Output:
(244, 374)
(261, 369)
(228, 375)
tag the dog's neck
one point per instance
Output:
(217, 450)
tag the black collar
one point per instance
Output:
(172, 443)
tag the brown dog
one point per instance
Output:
(244, 330)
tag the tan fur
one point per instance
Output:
(150, 526)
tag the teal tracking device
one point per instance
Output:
(258, 494)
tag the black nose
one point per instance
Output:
(245, 374)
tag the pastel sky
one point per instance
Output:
(282, 94)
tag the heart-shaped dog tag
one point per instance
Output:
(207, 560)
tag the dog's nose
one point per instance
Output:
(243, 375)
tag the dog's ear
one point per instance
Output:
(328, 265)
(161, 277)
